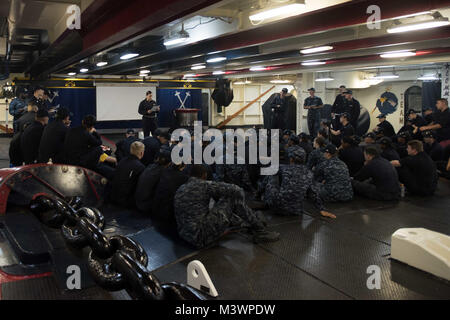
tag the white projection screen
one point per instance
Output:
(120, 102)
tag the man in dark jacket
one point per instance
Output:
(148, 181)
(171, 179)
(432, 147)
(31, 137)
(384, 183)
(352, 155)
(126, 176)
(346, 130)
(123, 146)
(153, 145)
(385, 126)
(441, 121)
(279, 108)
(82, 146)
(28, 116)
(353, 107)
(52, 142)
(387, 149)
(338, 108)
(417, 171)
(149, 112)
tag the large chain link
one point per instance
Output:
(115, 263)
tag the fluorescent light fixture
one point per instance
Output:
(291, 9)
(258, 68)
(83, 70)
(144, 71)
(101, 64)
(172, 42)
(397, 54)
(180, 37)
(216, 73)
(242, 82)
(386, 76)
(217, 59)
(189, 75)
(198, 67)
(279, 81)
(324, 79)
(313, 63)
(429, 77)
(420, 25)
(316, 49)
(377, 67)
(414, 15)
(71, 73)
(129, 56)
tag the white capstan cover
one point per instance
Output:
(423, 249)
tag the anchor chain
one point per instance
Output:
(116, 262)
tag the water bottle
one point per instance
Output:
(402, 190)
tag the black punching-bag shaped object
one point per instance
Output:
(363, 122)
(223, 94)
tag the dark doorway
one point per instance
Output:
(430, 93)
(413, 99)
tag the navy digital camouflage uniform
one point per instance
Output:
(334, 180)
(314, 158)
(234, 173)
(286, 191)
(199, 222)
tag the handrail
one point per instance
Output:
(226, 121)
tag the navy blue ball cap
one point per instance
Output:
(331, 149)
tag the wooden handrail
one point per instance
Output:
(226, 121)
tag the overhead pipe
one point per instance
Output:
(14, 17)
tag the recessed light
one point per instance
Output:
(218, 73)
(71, 73)
(129, 56)
(428, 77)
(144, 71)
(420, 25)
(293, 8)
(279, 81)
(180, 37)
(313, 63)
(198, 67)
(217, 59)
(324, 79)
(413, 15)
(397, 54)
(84, 70)
(387, 76)
(258, 68)
(242, 82)
(101, 64)
(189, 75)
(316, 49)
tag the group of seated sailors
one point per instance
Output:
(204, 202)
